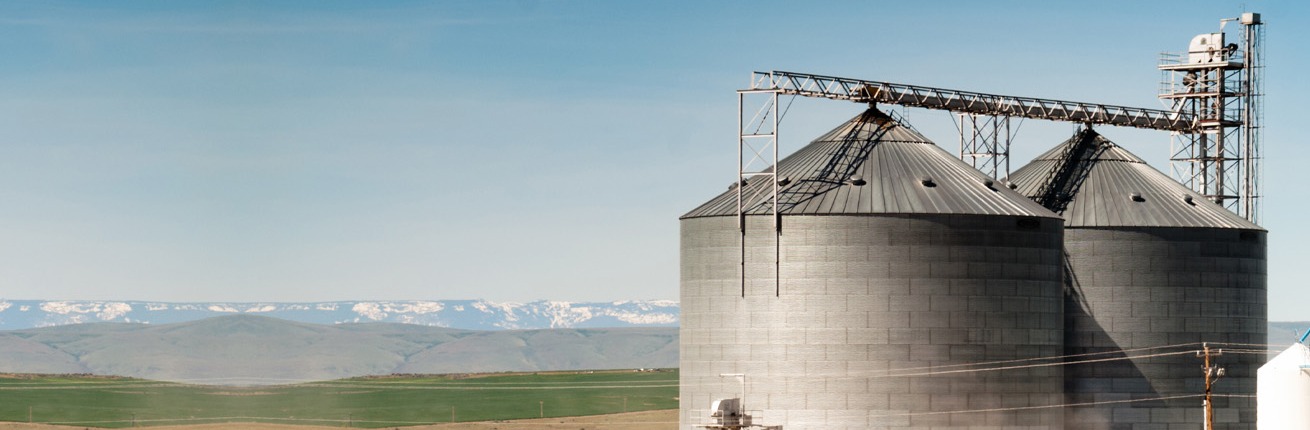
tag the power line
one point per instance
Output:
(1246, 351)
(893, 374)
(1026, 366)
(1053, 357)
(1267, 345)
(1021, 408)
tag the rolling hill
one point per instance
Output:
(248, 349)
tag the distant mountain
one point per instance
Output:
(462, 314)
(1284, 334)
(246, 349)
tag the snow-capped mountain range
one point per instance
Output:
(461, 314)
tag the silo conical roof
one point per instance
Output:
(1114, 188)
(872, 164)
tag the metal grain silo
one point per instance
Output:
(1153, 268)
(902, 269)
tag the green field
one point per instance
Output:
(359, 402)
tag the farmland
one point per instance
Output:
(359, 402)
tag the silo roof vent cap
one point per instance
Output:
(1137, 197)
(1187, 198)
(927, 181)
(783, 181)
(856, 181)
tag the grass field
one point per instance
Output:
(359, 402)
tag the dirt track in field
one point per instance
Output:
(649, 420)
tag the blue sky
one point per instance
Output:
(520, 150)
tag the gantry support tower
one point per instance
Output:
(985, 143)
(1219, 84)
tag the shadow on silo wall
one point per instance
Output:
(1142, 291)
(1089, 383)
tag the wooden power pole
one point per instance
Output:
(1212, 373)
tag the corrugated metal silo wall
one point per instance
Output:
(863, 295)
(1143, 287)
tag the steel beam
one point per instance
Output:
(860, 90)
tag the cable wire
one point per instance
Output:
(1022, 408)
(893, 374)
(1026, 366)
(788, 108)
(1053, 357)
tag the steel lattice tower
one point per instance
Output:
(1219, 85)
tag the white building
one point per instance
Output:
(1283, 391)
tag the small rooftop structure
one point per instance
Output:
(729, 415)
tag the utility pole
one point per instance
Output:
(1212, 374)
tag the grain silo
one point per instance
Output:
(899, 264)
(1153, 268)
